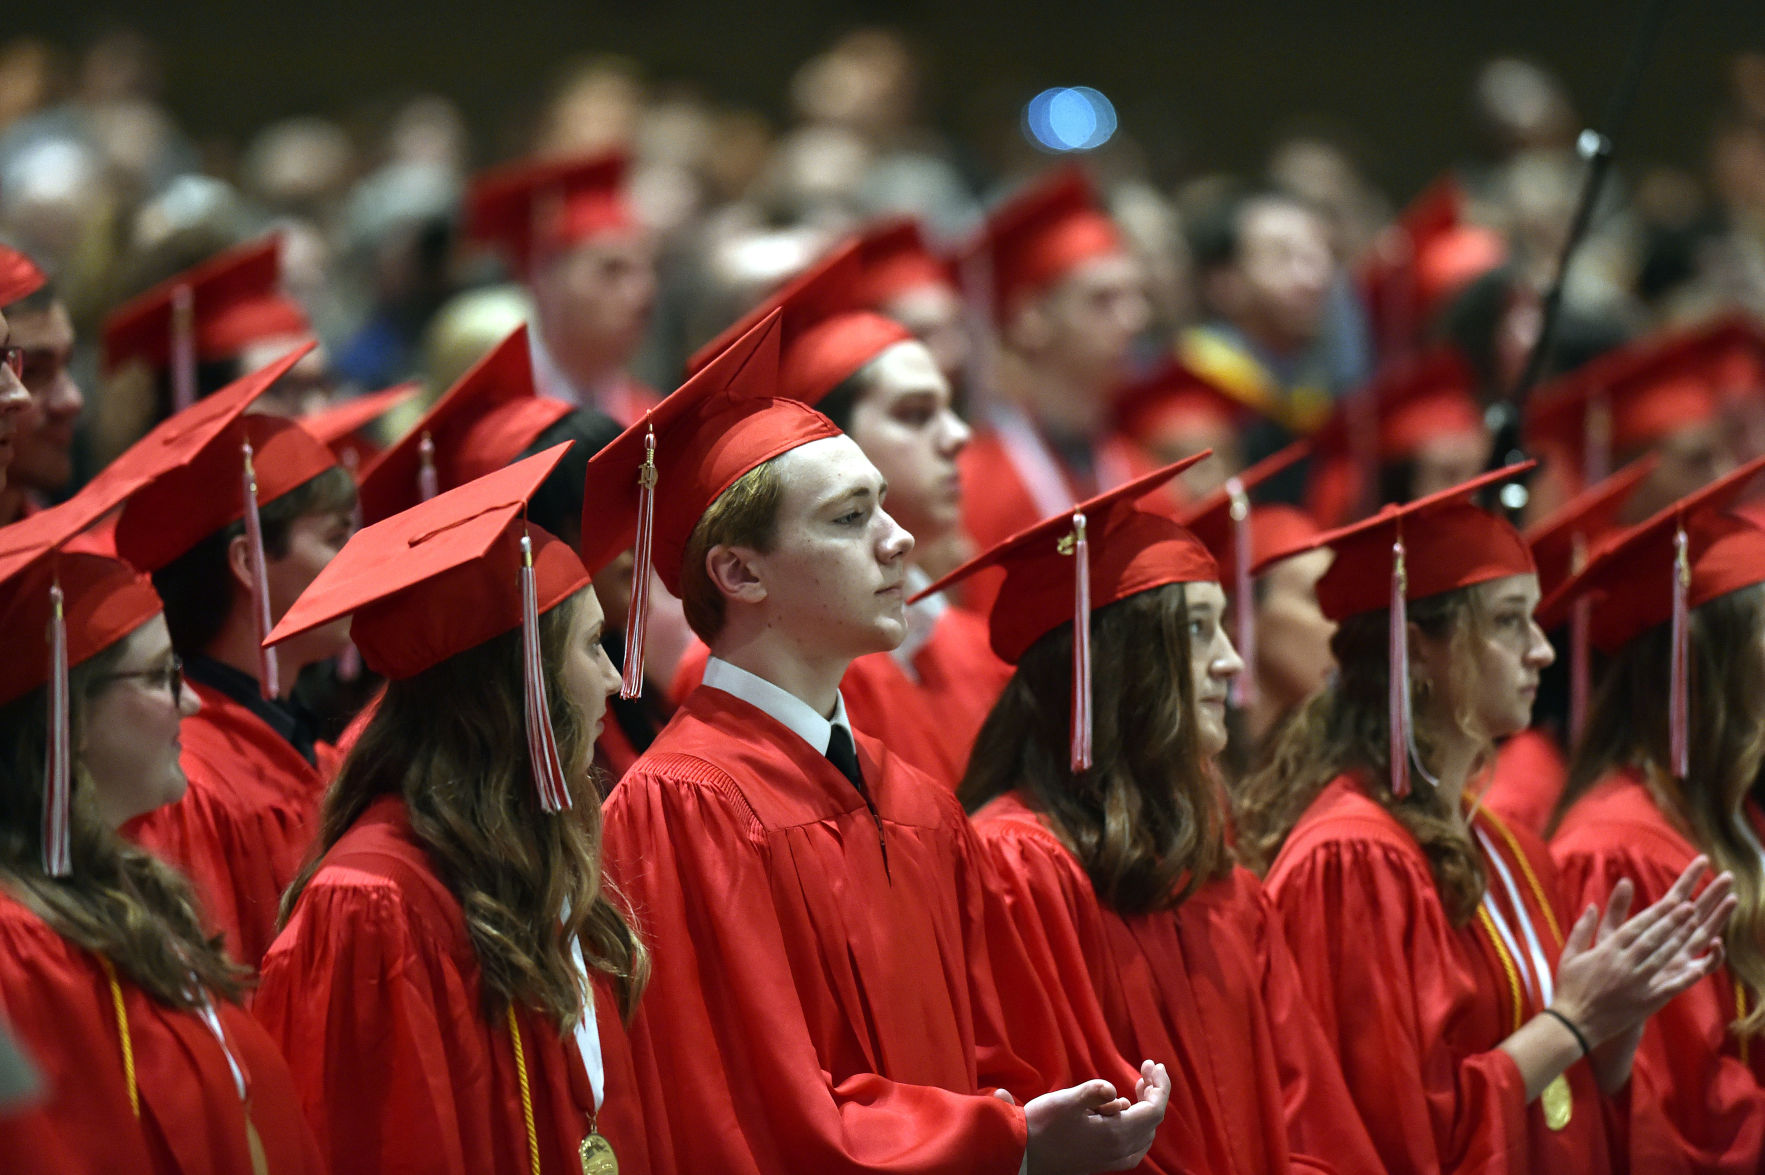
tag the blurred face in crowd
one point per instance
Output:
(303, 389)
(1276, 289)
(1081, 329)
(43, 447)
(908, 430)
(313, 541)
(1691, 458)
(594, 302)
(15, 401)
(1293, 657)
(934, 314)
(1447, 460)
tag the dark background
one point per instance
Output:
(1203, 86)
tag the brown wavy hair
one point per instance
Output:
(1344, 729)
(1145, 820)
(1627, 728)
(468, 786)
(119, 901)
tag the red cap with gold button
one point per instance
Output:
(534, 208)
(1418, 263)
(1037, 237)
(897, 260)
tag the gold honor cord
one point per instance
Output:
(595, 1152)
(122, 1029)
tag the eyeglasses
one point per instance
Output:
(13, 359)
(168, 676)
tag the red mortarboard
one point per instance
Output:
(447, 575)
(339, 425)
(480, 424)
(896, 260)
(1419, 262)
(1657, 571)
(1737, 357)
(1037, 237)
(1414, 401)
(1176, 392)
(534, 207)
(824, 335)
(19, 276)
(655, 481)
(212, 311)
(1411, 552)
(1625, 399)
(1113, 549)
(82, 604)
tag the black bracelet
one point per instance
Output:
(1573, 1031)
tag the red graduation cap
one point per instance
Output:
(1657, 571)
(1411, 552)
(1113, 549)
(533, 208)
(897, 260)
(655, 481)
(1625, 399)
(213, 464)
(340, 426)
(447, 575)
(19, 276)
(81, 604)
(212, 311)
(1736, 345)
(1560, 546)
(1175, 393)
(480, 424)
(824, 336)
(1224, 522)
(1418, 263)
(1412, 402)
(1039, 236)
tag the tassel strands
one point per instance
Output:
(1244, 614)
(58, 771)
(268, 675)
(1679, 687)
(1081, 646)
(428, 481)
(542, 743)
(183, 348)
(637, 621)
(1398, 707)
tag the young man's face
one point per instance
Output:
(904, 424)
(43, 457)
(1284, 270)
(834, 580)
(14, 403)
(594, 301)
(313, 541)
(1091, 317)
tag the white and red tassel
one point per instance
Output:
(58, 776)
(1580, 663)
(268, 672)
(542, 742)
(1243, 611)
(183, 348)
(1081, 646)
(638, 619)
(428, 481)
(1679, 687)
(1398, 699)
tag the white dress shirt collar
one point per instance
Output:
(787, 708)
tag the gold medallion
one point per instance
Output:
(598, 1158)
(1559, 1107)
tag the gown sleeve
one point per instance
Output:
(1375, 952)
(366, 1025)
(726, 1060)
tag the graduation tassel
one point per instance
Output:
(428, 481)
(268, 673)
(58, 771)
(1580, 625)
(542, 743)
(183, 348)
(1679, 685)
(1081, 646)
(1398, 697)
(637, 620)
(1244, 615)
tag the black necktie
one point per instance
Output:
(844, 755)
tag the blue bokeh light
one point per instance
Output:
(1069, 118)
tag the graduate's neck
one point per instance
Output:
(12, 502)
(236, 647)
(812, 678)
(1455, 756)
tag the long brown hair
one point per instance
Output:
(1145, 820)
(468, 786)
(1627, 729)
(1345, 729)
(119, 901)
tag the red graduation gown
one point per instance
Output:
(374, 992)
(822, 998)
(1527, 781)
(1416, 1007)
(244, 824)
(1208, 989)
(59, 1002)
(1700, 1095)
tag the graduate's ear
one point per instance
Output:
(239, 562)
(732, 572)
(1428, 657)
(1030, 328)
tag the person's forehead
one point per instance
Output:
(908, 366)
(820, 469)
(1101, 272)
(47, 329)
